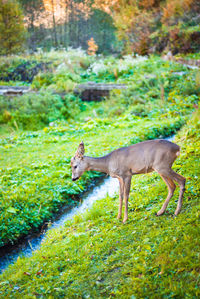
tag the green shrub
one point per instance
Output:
(65, 81)
(34, 111)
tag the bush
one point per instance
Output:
(34, 111)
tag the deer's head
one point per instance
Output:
(78, 163)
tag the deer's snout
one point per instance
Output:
(75, 179)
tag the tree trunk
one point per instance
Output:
(54, 24)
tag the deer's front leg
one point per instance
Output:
(121, 194)
(127, 185)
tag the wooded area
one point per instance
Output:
(116, 26)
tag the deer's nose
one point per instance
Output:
(74, 179)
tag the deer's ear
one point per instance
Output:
(80, 151)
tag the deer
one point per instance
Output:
(143, 157)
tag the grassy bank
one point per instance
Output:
(36, 174)
(35, 164)
(96, 256)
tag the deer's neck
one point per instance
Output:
(97, 164)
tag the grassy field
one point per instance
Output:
(40, 131)
(96, 256)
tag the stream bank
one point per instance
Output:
(9, 254)
(25, 247)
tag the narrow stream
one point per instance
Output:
(9, 254)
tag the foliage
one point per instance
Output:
(194, 56)
(64, 24)
(92, 47)
(59, 82)
(42, 182)
(133, 260)
(20, 69)
(94, 255)
(26, 67)
(34, 113)
(12, 30)
(155, 26)
(118, 26)
(35, 168)
(102, 67)
(53, 99)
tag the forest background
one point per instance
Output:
(117, 26)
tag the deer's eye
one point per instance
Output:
(75, 167)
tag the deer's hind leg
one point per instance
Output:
(181, 181)
(171, 188)
(169, 173)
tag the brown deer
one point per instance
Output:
(147, 156)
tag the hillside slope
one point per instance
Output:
(96, 256)
(35, 174)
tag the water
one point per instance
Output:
(171, 138)
(9, 254)
(179, 73)
(191, 66)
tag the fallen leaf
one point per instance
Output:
(39, 272)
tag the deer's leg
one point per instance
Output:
(181, 181)
(121, 194)
(127, 185)
(171, 188)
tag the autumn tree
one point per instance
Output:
(56, 10)
(147, 26)
(33, 10)
(92, 47)
(68, 23)
(12, 30)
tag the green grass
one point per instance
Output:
(35, 164)
(190, 56)
(35, 168)
(96, 256)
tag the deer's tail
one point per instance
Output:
(178, 152)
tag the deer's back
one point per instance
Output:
(144, 156)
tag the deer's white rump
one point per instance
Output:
(153, 155)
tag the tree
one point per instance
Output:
(12, 30)
(67, 23)
(147, 26)
(33, 10)
(92, 47)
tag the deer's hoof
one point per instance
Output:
(119, 216)
(159, 213)
(177, 212)
(124, 220)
